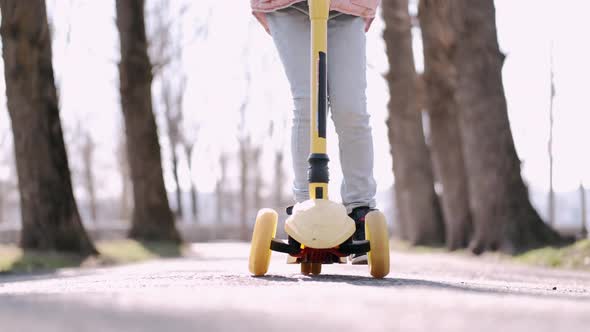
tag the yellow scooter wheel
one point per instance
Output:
(377, 234)
(264, 231)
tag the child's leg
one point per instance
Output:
(347, 84)
(291, 33)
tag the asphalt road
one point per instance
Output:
(212, 291)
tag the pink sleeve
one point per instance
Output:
(368, 22)
(261, 17)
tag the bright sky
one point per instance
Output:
(86, 55)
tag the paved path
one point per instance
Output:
(212, 291)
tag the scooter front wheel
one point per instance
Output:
(264, 231)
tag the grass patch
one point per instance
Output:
(401, 245)
(574, 256)
(16, 260)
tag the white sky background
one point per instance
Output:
(86, 55)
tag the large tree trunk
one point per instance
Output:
(503, 216)
(152, 218)
(50, 218)
(417, 203)
(440, 77)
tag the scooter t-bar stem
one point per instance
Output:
(318, 174)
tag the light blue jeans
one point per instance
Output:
(290, 29)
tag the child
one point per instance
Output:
(287, 21)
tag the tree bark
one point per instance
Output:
(152, 218)
(440, 77)
(417, 203)
(503, 216)
(50, 217)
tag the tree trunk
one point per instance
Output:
(88, 148)
(551, 198)
(278, 183)
(222, 206)
(244, 166)
(179, 212)
(256, 153)
(2, 200)
(584, 209)
(188, 151)
(440, 77)
(503, 216)
(126, 186)
(50, 217)
(152, 218)
(418, 210)
(173, 118)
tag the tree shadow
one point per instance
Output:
(465, 287)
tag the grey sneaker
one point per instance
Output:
(358, 215)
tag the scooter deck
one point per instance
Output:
(301, 254)
(320, 224)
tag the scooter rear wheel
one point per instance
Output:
(305, 268)
(316, 268)
(377, 234)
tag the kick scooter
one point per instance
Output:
(320, 231)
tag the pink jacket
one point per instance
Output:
(362, 8)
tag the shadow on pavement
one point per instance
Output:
(421, 283)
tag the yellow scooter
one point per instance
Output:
(320, 231)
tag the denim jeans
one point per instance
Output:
(290, 29)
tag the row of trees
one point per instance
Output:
(50, 217)
(468, 148)
(148, 56)
(484, 202)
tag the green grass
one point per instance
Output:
(574, 256)
(16, 260)
(401, 245)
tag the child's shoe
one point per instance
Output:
(358, 215)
